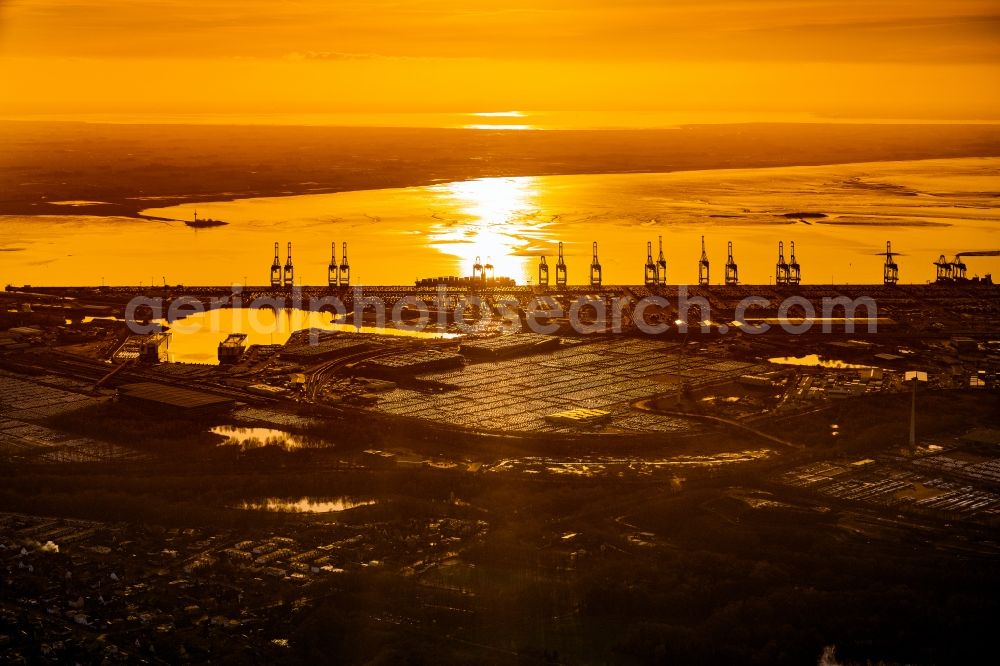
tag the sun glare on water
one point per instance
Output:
(489, 115)
(499, 223)
(499, 114)
(497, 127)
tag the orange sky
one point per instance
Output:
(750, 59)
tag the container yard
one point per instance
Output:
(895, 485)
(607, 375)
(618, 445)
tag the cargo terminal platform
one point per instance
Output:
(969, 307)
(488, 382)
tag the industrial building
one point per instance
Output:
(414, 362)
(324, 350)
(153, 347)
(232, 348)
(579, 417)
(509, 345)
(182, 401)
(987, 439)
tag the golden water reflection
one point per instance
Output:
(306, 504)
(195, 338)
(399, 235)
(250, 438)
(498, 127)
(815, 360)
(494, 219)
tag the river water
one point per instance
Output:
(925, 208)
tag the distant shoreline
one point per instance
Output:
(121, 170)
(128, 208)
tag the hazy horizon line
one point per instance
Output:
(509, 120)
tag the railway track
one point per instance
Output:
(319, 375)
(95, 371)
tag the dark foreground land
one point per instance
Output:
(127, 168)
(730, 510)
(449, 565)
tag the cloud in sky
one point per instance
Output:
(794, 30)
(624, 47)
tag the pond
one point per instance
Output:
(196, 338)
(815, 360)
(251, 438)
(306, 504)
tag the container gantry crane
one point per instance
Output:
(781, 270)
(703, 265)
(661, 267)
(276, 268)
(345, 268)
(794, 270)
(560, 268)
(732, 270)
(289, 273)
(652, 274)
(543, 272)
(333, 270)
(958, 268)
(595, 269)
(944, 269)
(890, 272)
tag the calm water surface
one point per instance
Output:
(926, 208)
(196, 338)
(248, 438)
(816, 361)
(306, 504)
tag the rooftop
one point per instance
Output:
(172, 395)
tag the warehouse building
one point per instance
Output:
(181, 401)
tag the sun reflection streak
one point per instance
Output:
(499, 114)
(497, 127)
(499, 220)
